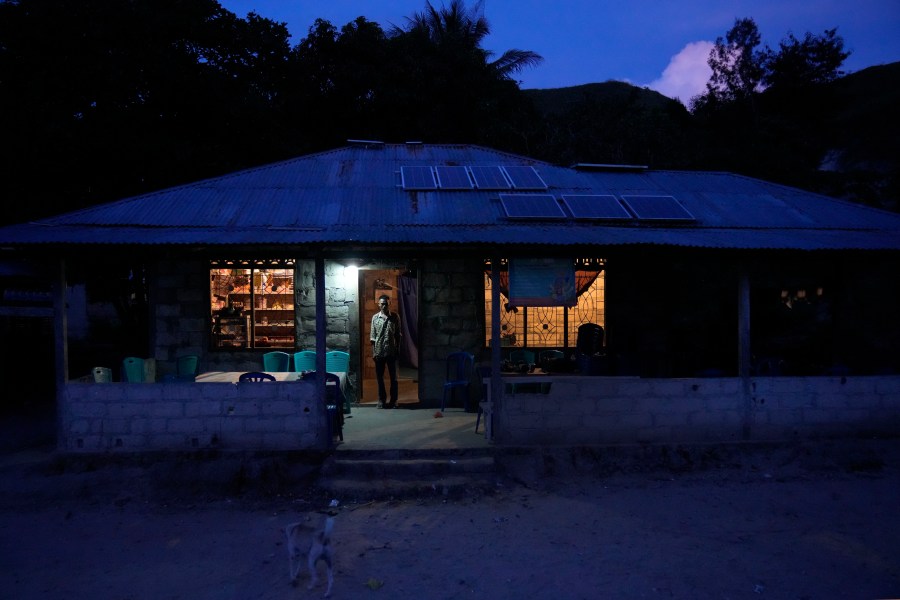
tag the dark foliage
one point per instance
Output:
(101, 100)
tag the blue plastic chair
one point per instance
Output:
(133, 369)
(337, 361)
(276, 361)
(255, 377)
(305, 360)
(459, 372)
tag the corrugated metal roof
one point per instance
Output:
(354, 195)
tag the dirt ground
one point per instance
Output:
(818, 523)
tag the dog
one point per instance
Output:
(314, 544)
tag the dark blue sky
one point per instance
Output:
(662, 44)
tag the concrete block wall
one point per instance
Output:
(341, 307)
(613, 410)
(451, 319)
(141, 417)
(180, 301)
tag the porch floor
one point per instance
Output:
(404, 428)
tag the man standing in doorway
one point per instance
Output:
(385, 337)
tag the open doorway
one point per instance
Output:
(401, 286)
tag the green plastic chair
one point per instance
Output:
(276, 361)
(337, 361)
(521, 356)
(305, 360)
(133, 369)
(186, 368)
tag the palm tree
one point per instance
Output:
(455, 29)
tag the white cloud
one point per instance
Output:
(687, 73)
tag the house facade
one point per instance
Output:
(731, 308)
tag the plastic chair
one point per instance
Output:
(521, 356)
(133, 369)
(517, 357)
(548, 355)
(547, 360)
(459, 371)
(186, 368)
(276, 361)
(102, 374)
(149, 370)
(305, 360)
(255, 377)
(337, 361)
(334, 400)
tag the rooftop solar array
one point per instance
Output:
(657, 208)
(531, 206)
(525, 178)
(489, 178)
(596, 207)
(453, 178)
(417, 178)
(601, 208)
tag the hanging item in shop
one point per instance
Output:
(542, 282)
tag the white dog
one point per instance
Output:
(315, 545)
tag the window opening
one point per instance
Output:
(547, 326)
(252, 304)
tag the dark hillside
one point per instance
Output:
(842, 140)
(611, 122)
(863, 153)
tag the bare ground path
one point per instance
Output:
(820, 525)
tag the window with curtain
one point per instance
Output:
(547, 326)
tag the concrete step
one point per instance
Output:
(401, 474)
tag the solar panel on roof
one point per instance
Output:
(525, 178)
(531, 206)
(417, 178)
(595, 207)
(657, 208)
(489, 178)
(453, 178)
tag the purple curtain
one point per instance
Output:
(409, 322)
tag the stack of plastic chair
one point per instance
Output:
(305, 360)
(276, 361)
(133, 369)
